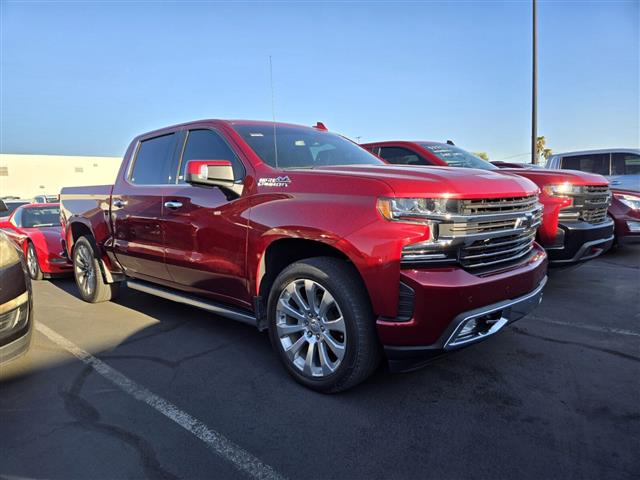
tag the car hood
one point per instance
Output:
(543, 177)
(422, 181)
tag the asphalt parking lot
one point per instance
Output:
(167, 391)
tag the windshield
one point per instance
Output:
(303, 147)
(11, 206)
(41, 217)
(457, 157)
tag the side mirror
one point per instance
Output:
(3, 206)
(210, 172)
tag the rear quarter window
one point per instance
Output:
(623, 163)
(154, 163)
(592, 163)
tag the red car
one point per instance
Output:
(625, 210)
(36, 229)
(575, 226)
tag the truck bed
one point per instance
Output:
(89, 206)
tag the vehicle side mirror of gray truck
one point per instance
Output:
(3, 206)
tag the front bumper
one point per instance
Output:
(16, 320)
(56, 264)
(627, 228)
(582, 241)
(438, 299)
(493, 318)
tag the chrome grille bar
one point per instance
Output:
(590, 206)
(493, 232)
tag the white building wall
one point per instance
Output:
(26, 176)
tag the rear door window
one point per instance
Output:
(401, 156)
(625, 163)
(592, 163)
(208, 145)
(154, 161)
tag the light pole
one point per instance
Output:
(534, 93)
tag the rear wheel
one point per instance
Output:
(86, 270)
(32, 263)
(321, 324)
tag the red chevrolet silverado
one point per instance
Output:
(303, 233)
(575, 226)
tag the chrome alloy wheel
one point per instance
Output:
(32, 261)
(84, 269)
(311, 328)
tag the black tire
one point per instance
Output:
(33, 266)
(362, 350)
(88, 275)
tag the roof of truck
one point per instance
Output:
(600, 150)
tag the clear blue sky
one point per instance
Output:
(83, 78)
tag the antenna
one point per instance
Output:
(273, 112)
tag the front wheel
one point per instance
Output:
(86, 270)
(322, 326)
(32, 263)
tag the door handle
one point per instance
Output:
(616, 182)
(119, 203)
(173, 205)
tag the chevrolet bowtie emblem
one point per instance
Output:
(525, 221)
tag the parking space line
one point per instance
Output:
(242, 460)
(594, 328)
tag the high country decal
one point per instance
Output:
(274, 182)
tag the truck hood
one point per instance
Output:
(422, 181)
(547, 177)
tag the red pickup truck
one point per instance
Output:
(575, 226)
(303, 233)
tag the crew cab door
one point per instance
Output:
(205, 227)
(137, 205)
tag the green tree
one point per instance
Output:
(541, 150)
(482, 155)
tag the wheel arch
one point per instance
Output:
(74, 232)
(281, 253)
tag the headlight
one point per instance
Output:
(8, 253)
(631, 201)
(562, 189)
(413, 209)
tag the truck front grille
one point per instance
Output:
(486, 234)
(589, 206)
(497, 205)
(484, 253)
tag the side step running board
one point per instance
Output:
(181, 297)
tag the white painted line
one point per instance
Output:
(594, 328)
(242, 460)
